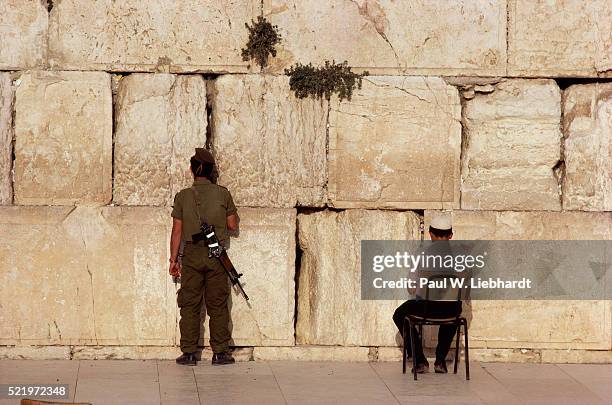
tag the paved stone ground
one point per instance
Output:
(283, 382)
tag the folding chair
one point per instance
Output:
(414, 320)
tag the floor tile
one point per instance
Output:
(445, 388)
(596, 377)
(239, 389)
(541, 383)
(327, 382)
(40, 372)
(177, 384)
(294, 382)
(118, 382)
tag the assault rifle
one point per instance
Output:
(215, 249)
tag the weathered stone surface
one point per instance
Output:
(156, 35)
(493, 225)
(90, 297)
(311, 353)
(561, 324)
(146, 353)
(577, 356)
(35, 352)
(270, 146)
(299, 353)
(265, 253)
(506, 355)
(160, 119)
(83, 294)
(391, 37)
(396, 144)
(559, 38)
(63, 134)
(389, 354)
(124, 352)
(7, 95)
(587, 122)
(512, 146)
(23, 29)
(330, 311)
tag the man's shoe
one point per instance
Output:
(187, 359)
(440, 367)
(220, 359)
(422, 368)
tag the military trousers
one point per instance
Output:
(203, 277)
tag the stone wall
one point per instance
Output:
(498, 109)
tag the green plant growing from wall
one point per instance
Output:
(323, 81)
(263, 38)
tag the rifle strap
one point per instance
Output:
(196, 199)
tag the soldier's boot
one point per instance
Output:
(220, 359)
(187, 359)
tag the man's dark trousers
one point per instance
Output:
(201, 274)
(435, 309)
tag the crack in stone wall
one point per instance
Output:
(559, 168)
(115, 79)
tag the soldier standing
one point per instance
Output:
(213, 204)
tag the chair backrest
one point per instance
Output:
(445, 276)
(437, 277)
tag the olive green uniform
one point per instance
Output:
(201, 273)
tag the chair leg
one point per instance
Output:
(467, 352)
(404, 347)
(457, 349)
(414, 365)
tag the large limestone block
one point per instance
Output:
(577, 356)
(511, 147)
(35, 352)
(311, 353)
(506, 355)
(463, 37)
(508, 225)
(269, 145)
(559, 38)
(63, 138)
(330, 308)
(160, 119)
(7, 95)
(396, 144)
(85, 275)
(265, 253)
(135, 35)
(144, 353)
(587, 123)
(23, 33)
(561, 324)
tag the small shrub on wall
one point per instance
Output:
(323, 81)
(263, 38)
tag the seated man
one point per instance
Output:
(440, 230)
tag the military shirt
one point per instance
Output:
(216, 204)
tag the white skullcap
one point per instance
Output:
(442, 220)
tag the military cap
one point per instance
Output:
(442, 220)
(204, 156)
